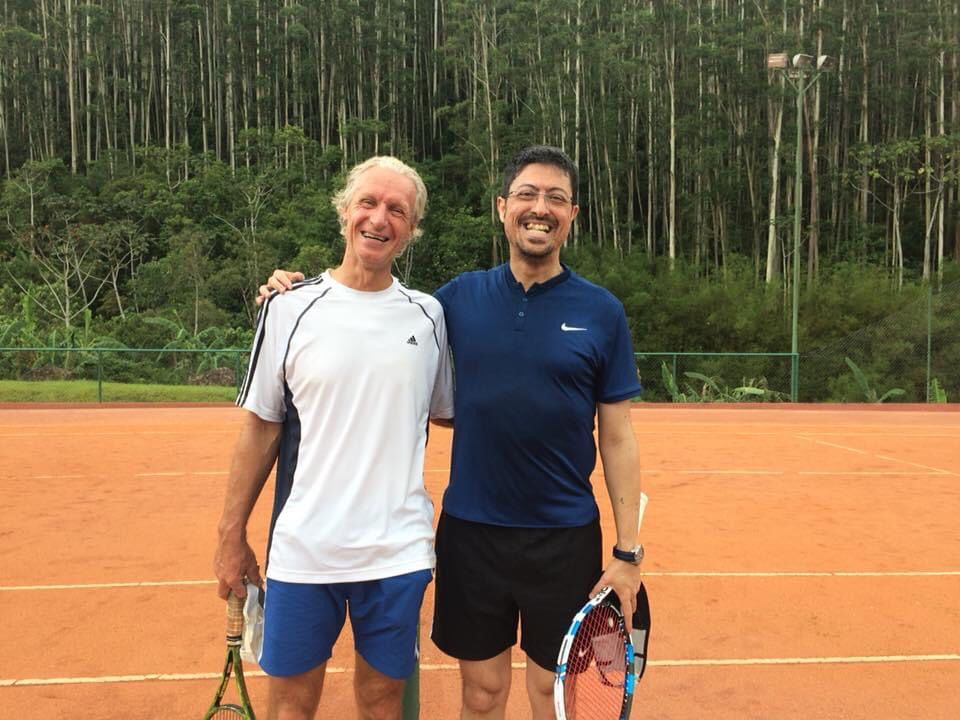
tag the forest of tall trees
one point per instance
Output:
(160, 156)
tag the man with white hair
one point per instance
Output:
(346, 371)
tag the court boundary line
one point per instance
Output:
(651, 573)
(935, 470)
(441, 667)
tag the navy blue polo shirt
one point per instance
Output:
(530, 369)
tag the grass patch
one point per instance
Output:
(70, 391)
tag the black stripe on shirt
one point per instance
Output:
(410, 299)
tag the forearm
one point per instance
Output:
(620, 457)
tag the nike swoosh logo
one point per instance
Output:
(570, 328)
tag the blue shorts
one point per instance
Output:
(301, 623)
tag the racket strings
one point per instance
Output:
(228, 713)
(596, 667)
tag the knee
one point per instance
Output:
(379, 701)
(292, 703)
(482, 696)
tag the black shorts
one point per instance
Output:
(490, 576)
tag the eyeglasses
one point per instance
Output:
(553, 199)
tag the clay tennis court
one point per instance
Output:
(801, 563)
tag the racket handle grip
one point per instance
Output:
(643, 508)
(234, 617)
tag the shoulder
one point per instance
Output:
(473, 281)
(429, 303)
(596, 293)
(295, 300)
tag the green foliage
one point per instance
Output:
(72, 391)
(712, 389)
(174, 240)
(870, 394)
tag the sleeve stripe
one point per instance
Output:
(293, 332)
(259, 335)
(410, 299)
(255, 355)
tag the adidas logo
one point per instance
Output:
(412, 341)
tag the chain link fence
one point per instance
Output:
(111, 366)
(715, 377)
(912, 356)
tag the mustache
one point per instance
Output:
(545, 219)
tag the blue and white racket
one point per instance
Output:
(592, 680)
(599, 663)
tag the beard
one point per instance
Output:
(533, 253)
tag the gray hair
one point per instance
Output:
(342, 199)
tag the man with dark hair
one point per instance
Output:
(546, 154)
(538, 352)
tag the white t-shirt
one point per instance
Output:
(354, 377)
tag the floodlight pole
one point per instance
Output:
(797, 210)
(798, 67)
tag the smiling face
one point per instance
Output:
(534, 219)
(378, 220)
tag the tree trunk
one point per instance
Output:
(204, 116)
(167, 86)
(813, 247)
(773, 249)
(71, 87)
(228, 86)
(670, 57)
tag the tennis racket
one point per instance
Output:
(599, 662)
(594, 679)
(232, 666)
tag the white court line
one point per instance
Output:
(728, 472)
(879, 434)
(813, 573)
(787, 431)
(834, 445)
(170, 473)
(939, 471)
(54, 435)
(675, 573)
(441, 667)
(879, 473)
(830, 473)
(908, 462)
(599, 472)
(856, 659)
(107, 586)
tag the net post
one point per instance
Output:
(411, 689)
(929, 334)
(236, 375)
(794, 376)
(99, 375)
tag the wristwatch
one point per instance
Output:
(634, 556)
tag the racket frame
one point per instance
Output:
(604, 598)
(233, 665)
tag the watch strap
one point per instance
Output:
(631, 556)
